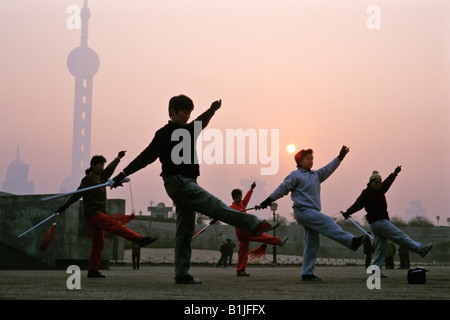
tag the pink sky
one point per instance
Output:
(311, 69)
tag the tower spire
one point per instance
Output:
(83, 64)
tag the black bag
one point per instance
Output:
(417, 275)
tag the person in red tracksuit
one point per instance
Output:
(245, 237)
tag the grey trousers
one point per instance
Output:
(189, 198)
(384, 230)
(315, 223)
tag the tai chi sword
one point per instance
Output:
(212, 222)
(108, 183)
(361, 228)
(55, 214)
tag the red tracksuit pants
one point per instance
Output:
(244, 245)
(98, 225)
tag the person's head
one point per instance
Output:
(236, 194)
(97, 165)
(375, 180)
(180, 108)
(304, 159)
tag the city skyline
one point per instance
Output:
(313, 70)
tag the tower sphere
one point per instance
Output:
(83, 62)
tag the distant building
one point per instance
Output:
(160, 211)
(83, 64)
(16, 181)
(416, 210)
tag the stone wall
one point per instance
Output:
(211, 239)
(72, 237)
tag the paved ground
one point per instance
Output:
(265, 283)
(269, 293)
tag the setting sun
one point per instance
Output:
(291, 148)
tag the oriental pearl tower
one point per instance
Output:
(83, 64)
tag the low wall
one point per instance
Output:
(72, 237)
(211, 239)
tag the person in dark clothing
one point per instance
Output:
(403, 254)
(373, 200)
(223, 254)
(95, 211)
(175, 146)
(135, 255)
(230, 251)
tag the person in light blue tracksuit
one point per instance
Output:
(304, 186)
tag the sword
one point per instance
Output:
(360, 227)
(55, 214)
(212, 222)
(108, 183)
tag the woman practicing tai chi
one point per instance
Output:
(373, 200)
(304, 185)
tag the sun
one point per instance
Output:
(290, 148)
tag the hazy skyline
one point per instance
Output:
(311, 69)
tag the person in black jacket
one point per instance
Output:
(175, 146)
(373, 200)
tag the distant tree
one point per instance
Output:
(398, 222)
(283, 221)
(420, 222)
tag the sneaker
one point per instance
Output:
(310, 277)
(242, 274)
(146, 241)
(188, 280)
(357, 242)
(95, 274)
(424, 250)
(265, 226)
(283, 241)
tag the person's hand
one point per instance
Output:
(345, 214)
(121, 154)
(398, 169)
(216, 105)
(118, 180)
(60, 209)
(343, 152)
(253, 185)
(264, 204)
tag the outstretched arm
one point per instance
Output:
(289, 184)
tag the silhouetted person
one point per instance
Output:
(180, 170)
(230, 251)
(135, 255)
(95, 205)
(304, 186)
(223, 254)
(373, 200)
(403, 254)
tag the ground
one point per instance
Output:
(265, 283)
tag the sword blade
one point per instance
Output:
(361, 228)
(200, 231)
(55, 214)
(108, 183)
